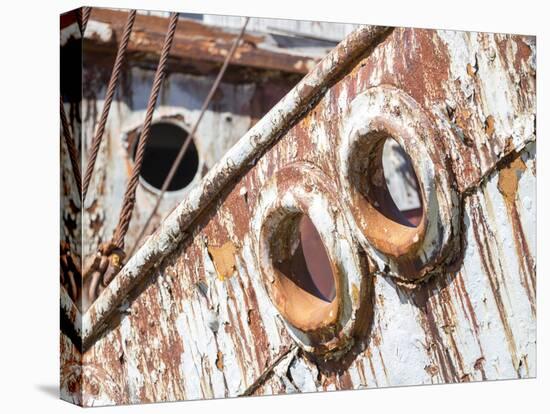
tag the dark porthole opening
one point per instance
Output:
(304, 259)
(390, 182)
(164, 143)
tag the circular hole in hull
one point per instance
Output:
(307, 263)
(304, 288)
(163, 145)
(387, 200)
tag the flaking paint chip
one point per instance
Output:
(224, 259)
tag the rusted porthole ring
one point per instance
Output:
(380, 113)
(327, 328)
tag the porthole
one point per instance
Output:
(310, 265)
(378, 189)
(396, 186)
(165, 140)
(305, 276)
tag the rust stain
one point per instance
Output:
(224, 259)
(470, 70)
(508, 182)
(478, 365)
(435, 343)
(482, 238)
(508, 179)
(219, 361)
(432, 370)
(490, 125)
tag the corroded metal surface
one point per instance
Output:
(190, 317)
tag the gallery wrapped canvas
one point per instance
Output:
(253, 206)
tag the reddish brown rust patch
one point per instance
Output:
(470, 70)
(508, 179)
(508, 182)
(224, 259)
(490, 125)
(219, 361)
